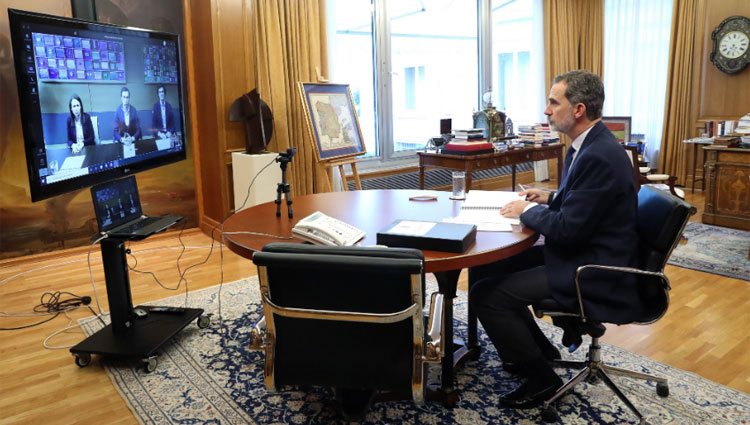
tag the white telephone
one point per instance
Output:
(321, 229)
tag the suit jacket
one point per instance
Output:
(592, 220)
(134, 129)
(88, 130)
(156, 124)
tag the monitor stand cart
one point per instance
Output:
(130, 336)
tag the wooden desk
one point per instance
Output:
(371, 211)
(469, 163)
(727, 201)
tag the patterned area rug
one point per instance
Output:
(210, 376)
(714, 249)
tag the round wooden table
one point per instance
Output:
(372, 210)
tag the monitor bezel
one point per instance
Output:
(41, 191)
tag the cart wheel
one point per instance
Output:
(149, 364)
(203, 321)
(83, 359)
(549, 415)
(662, 389)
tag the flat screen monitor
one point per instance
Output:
(97, 101)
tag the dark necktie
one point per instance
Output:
(568, 161)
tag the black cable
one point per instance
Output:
(52, 303)
(30, 326)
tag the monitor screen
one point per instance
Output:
(97, 101)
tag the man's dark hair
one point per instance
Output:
(123, 90)
(584, 87)
(161, 86)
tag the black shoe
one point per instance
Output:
(525, 397)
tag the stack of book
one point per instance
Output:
(469, 134)
(537, 134)
(468, 147)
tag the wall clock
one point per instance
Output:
(731, 38)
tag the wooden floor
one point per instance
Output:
(705, 330)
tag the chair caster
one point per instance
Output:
(550, 415)
(662, 389)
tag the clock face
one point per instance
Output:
(731, 39)
(734, 44)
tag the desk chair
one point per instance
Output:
(349, 318)
(661, 220)
(643, 176)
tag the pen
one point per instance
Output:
(522, 187)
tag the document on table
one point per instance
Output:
(482, 207)
(73, 162)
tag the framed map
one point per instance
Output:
(331, 120)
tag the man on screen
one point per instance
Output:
(127, 127)
(162, 116)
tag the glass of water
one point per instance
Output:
(459, 185)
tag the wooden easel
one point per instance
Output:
(340, 163)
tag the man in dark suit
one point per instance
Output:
(127, 128)
(590, 219)
(162, 117)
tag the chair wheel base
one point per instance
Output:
(550, 415)
(662, 389)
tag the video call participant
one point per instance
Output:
(80, 127)
(127, 127)
(591, 219)
(162, 116)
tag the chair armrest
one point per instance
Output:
(631, 270)
(435, 347)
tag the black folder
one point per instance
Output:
(448, 237)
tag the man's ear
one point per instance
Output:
(579, 110)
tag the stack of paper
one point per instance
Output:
(482, 207)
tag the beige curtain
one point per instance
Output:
(677, 106)
(290, 44)
(573, 39)
(574, 36)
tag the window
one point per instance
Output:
(411, 63)
(413, 80)
(518, 59)
(638, 30)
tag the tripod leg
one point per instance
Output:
(288, 195)
(279, 190)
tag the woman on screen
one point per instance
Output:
(80, 128)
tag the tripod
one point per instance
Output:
(284, 159)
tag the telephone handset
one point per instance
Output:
(321, 229)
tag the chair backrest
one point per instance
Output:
(632, 152)
(661, 221)
(344, 317)
(95, 124)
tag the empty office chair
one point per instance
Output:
(348, 318)
(661, 220)
(643, 176)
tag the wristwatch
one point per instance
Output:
(551, 197)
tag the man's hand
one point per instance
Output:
(535, 195)
(514, 209)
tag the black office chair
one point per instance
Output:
(349, 318)
(661, 220)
